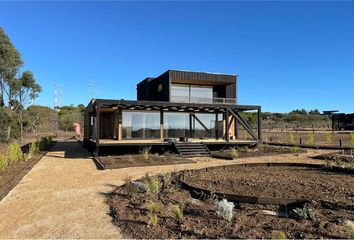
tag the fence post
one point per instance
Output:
(340, 142)
(300, 141)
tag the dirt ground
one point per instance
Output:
(320, 137)
(329, 197)
(64, 195)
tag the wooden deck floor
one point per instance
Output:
(160, 142)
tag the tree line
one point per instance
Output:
(18, 92)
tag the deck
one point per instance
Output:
(137, 142)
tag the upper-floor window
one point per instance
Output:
(191, 93)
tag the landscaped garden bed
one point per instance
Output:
(161, 207)
(140, 160)
(17, 161)
(260, 150)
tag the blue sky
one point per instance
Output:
(287, 54)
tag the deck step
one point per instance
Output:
(186, 149)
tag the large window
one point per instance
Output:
(191, 93)
(200, 125)
(141, 124)
(176, 125)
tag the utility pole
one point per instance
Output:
(55, 97)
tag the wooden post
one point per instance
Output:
(216, 126)
(227, 135)
(120, 126)
(161, 125)
(259, 124)
(97, 129)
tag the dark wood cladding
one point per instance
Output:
(202, 77)
(154, 88)
(158, 89)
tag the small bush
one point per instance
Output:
(152, 184)
(234, 153)
(303, 213)
(154, 207)
(224, 209)
(292, 138)
(329, 138)
(146, 153)
(153, 220)
(349, 229)
(14, 153)
(129, 186)
(34, 148)
(295, 149)
(3, 163)
(279, 235)
(177, 213)
(311, 138)
(351, 140)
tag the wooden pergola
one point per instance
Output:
(231, 113)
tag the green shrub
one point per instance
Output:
(349, 229)
(177, 213)
(292, 138)
(234, 153)
(351, 139)
(34, 148)
(311, 138)
(14, 153)
(3, 162)
(295, 149)
(303, 213)
(153, 220)
(152, 184)
(328, 138)
(154, 207)
(146, 153)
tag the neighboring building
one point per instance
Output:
(193, 107)
(342, 121)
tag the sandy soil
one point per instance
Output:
(63, 196)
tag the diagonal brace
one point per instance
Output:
(200, 122)
(243, 123)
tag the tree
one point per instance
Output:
(68, 115)
(314, 112)
(40, 118)
(10, 62)
(22, 90)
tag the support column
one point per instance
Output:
(259, 124)
(216, 126)
(120, 126)
(227, 134)
(236, 128)
(161, 125)
(97, 129)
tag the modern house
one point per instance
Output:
(178, 110)
(342, 121)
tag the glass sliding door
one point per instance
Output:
(176, 125)
(179, 93)
(191, 93)
(139, 124)
(201, 94)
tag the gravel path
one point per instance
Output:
(63, 196)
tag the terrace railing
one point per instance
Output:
(182, 99)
